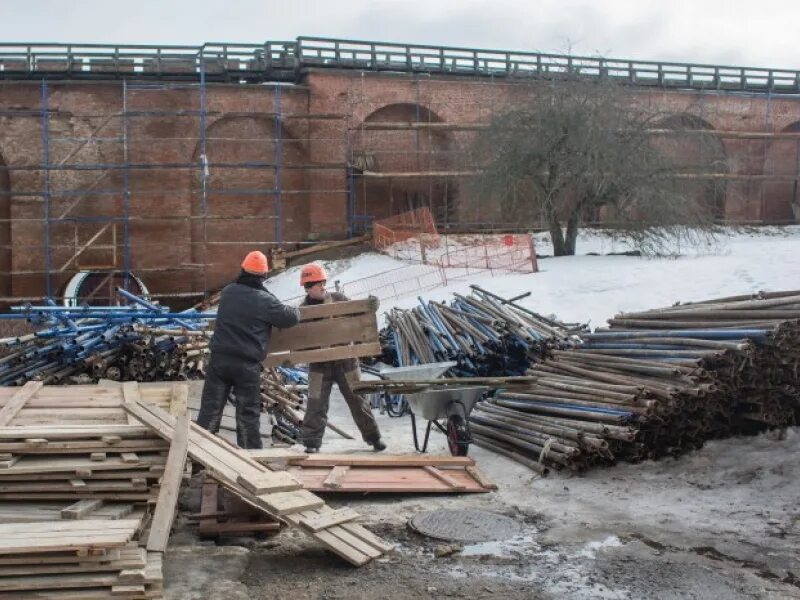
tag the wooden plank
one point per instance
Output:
(444, 478)
(268, 455)
(323, 354)
(208, 506)
(325, 332)
(129, 457)
(131, 395)
(284, 503)
(119, 511)
(480, 478)
(86, 447)
(262, 483)
(30, 465)
(18, 400)
(328, 519)
(66, 432)
(334, 478)
(127, 590)
(170, 486)
(388, 480)
(384, 460)
(80, 509)
(97, 456)
(334, 309)
(179, 397)
(350, 553)
(9, 462)
(132, 576)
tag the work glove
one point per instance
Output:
(374, 304)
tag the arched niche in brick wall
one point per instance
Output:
(5, 228)
(398, 138)
(235, 206)
(697, 150)
(781, 198)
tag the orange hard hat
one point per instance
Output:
(255, 263)
(311, 273)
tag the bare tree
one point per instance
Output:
(577, 151)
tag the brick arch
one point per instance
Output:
(5, 228)
(781, 199)
(693, 152)
(402, 148)
(240, 205)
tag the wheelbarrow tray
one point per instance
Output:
(433, 404)
(417, 372)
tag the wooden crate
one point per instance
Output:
(327, 332)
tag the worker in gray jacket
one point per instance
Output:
(322, 376)
(246, 314)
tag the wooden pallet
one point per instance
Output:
(384, 473)
(276, 493)
(327, 332)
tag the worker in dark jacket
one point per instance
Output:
(246, 314)
(322, 376)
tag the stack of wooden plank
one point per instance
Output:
(90, 558)
(73, 442)
(78, 480)
(115, 456)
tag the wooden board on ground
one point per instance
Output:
(420, 479)
(327, 332)
(380, 473)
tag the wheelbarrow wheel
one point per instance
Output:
(458, 438)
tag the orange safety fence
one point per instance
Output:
(497, 254)
(417, 224)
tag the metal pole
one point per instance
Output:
(278, 158)
(203, 167)
(126, 193)
(46, 186)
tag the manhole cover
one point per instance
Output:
(464, 525)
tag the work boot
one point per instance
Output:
(379, 445)
(312, 449)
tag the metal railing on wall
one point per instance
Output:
(280, 60)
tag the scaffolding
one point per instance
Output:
(168, 185)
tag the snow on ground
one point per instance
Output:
(594, 288)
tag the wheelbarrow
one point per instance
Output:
(453, 405)
(396, 404)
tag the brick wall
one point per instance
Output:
(185, 237)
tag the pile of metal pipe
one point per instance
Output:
(485, 334)
(655, 383)
(137, 341)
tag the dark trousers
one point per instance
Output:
(321, 378)
(224, 373)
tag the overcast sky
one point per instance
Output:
(754, 33)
